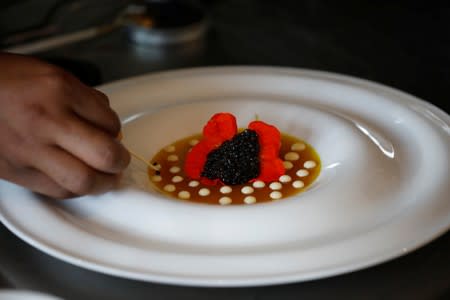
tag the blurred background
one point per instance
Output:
(403, 44)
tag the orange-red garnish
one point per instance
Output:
(221, 127)
(271, 166)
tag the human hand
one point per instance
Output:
(57, 135)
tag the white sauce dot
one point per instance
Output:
(170, 148)
(156, 178)
(275, 186)
(309, 164)
(204, 192)
(156, 166)
(225, 200)
(247, 190)
(226, 189)
(285, 178)
(288, 165)
(249, 200)
(302, 173)
(177, 179)
(172, 157)
(258, 184)
(276, 195)
(184, 195)
(174, 169)
(193, 183)
(169, 188)
(291, 156)
(193, 142)
(298, 184)
(298, 147)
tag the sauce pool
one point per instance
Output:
(301, 161)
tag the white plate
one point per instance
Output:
(383, 190)
(10, 294)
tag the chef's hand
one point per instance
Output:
(57, 135)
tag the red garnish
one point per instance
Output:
(222, 127)
(271, 166)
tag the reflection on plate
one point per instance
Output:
(382, 192)
(10, 294)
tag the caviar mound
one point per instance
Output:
(236, 161)
(228, 157)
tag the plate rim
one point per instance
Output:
(339, 78)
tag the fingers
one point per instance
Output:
(93, 106)
(73, 175)
(92, 146)
(41, 183)
(53, 172)
(88, 103)
(58, 135)
(35, 181)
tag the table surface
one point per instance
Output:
(405, 45)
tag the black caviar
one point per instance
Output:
(236, 161)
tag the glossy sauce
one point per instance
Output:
(165, 161)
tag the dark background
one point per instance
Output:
(403, 44)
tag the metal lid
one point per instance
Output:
(165, 22)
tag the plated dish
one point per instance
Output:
(370, 203)
(226, 165)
